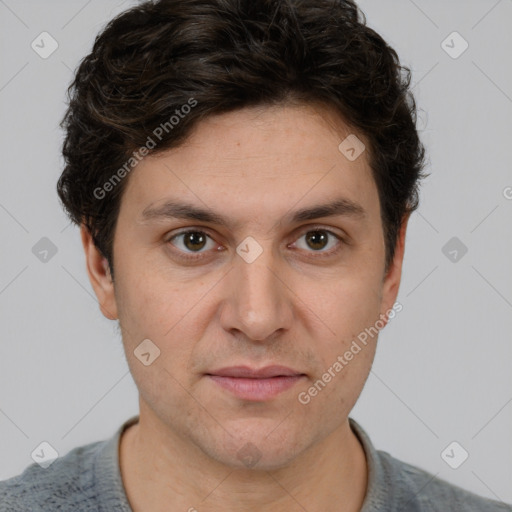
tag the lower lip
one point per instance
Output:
(256, 389)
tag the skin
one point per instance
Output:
(290, 307)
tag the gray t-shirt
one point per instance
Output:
(88, 479)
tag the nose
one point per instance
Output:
(257, 300)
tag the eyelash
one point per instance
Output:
(318, 254)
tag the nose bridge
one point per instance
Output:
(258, 304)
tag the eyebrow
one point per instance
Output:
(181, 210)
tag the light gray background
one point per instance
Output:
(442, 371)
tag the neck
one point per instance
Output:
(158, 468)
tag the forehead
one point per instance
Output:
(258, 160)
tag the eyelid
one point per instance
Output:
(334, 231)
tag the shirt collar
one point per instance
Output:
(380, 490)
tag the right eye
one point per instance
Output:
(193, 241)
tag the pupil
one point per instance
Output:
(194, 238)
(316, 237)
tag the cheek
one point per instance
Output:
(169, 313)
(349, 310)
(347, 304)
(152, 309)
(329, 398)
(149, 304)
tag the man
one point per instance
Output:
(242, 173)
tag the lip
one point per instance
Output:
(247, 372)
(256, 384)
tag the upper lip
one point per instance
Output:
(253, 373)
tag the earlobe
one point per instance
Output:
(99, 275)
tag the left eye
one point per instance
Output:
(318, 239)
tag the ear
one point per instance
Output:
(99, 275)
(391, 282)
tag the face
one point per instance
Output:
(253, 285)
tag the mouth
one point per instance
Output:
(256, 384)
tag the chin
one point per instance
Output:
(256, 450)
(252, 459)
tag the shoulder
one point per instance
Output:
(67, 484)
(418, 490)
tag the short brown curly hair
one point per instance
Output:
(224, 55)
